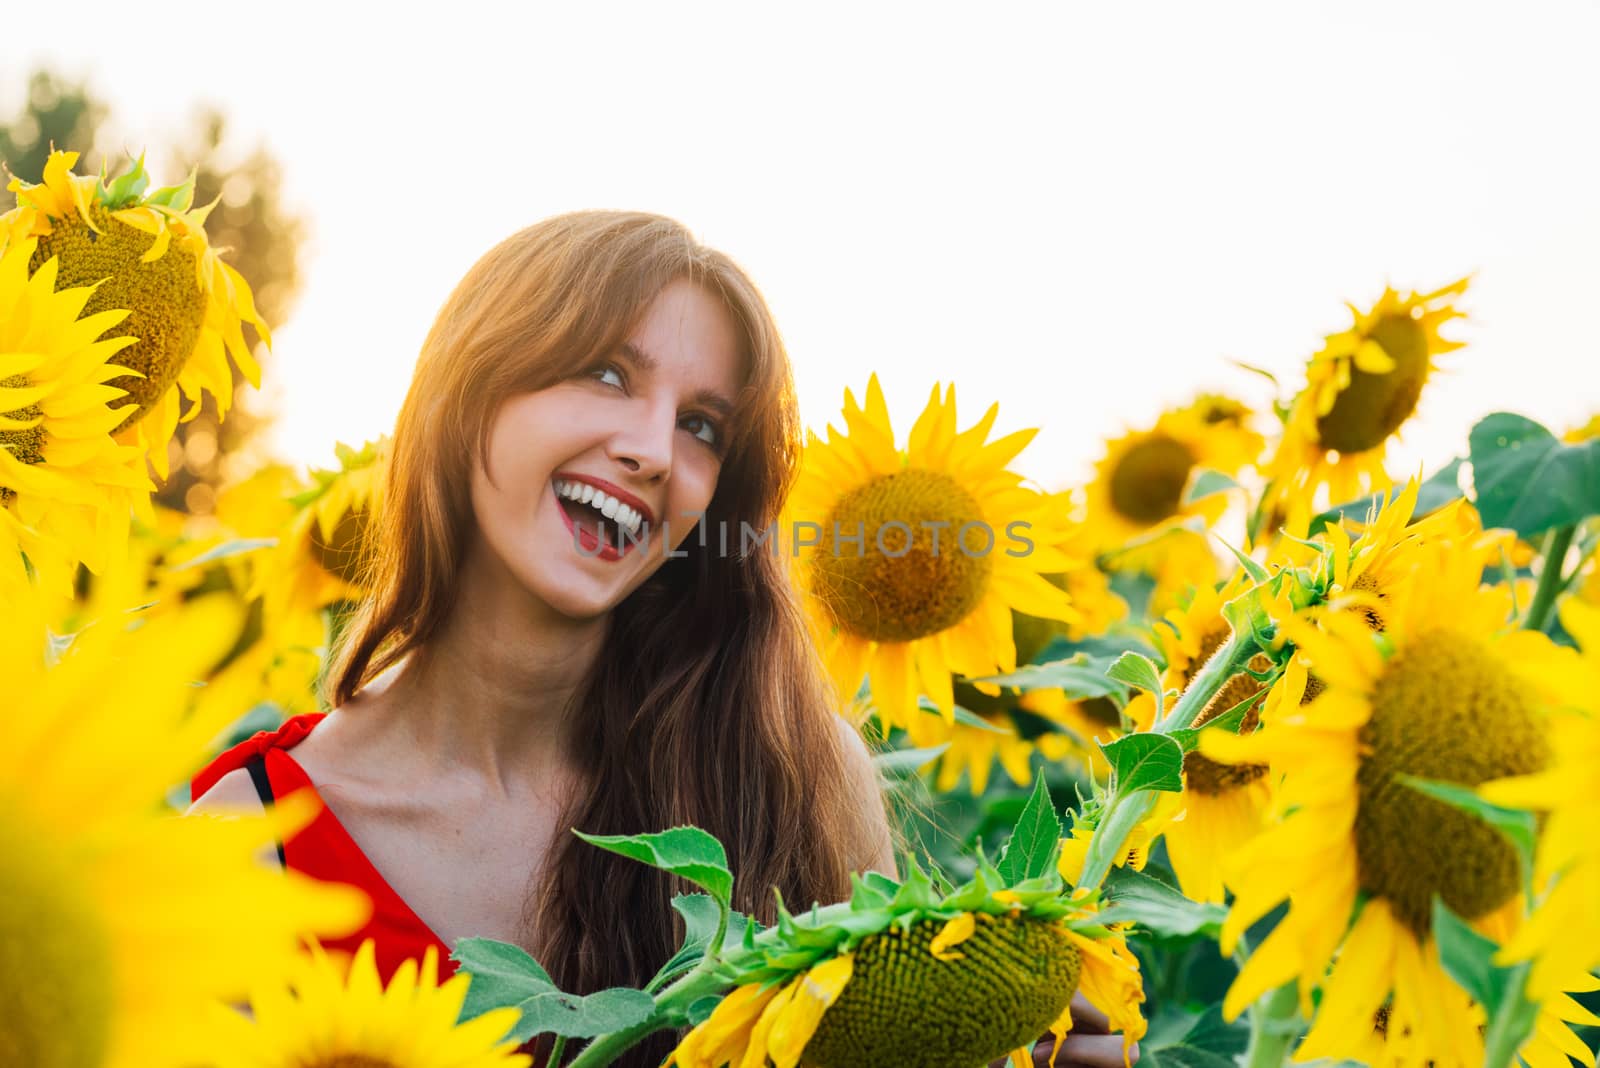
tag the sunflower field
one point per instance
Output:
(1271, 752)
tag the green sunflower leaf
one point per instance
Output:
(687, 852)
(502, 974)
(700, 1009)
(701, 914)
(1030, 851)
(1231, 720)
(1139, 671)
(582, 1017)
(962, 716)
(1135, 897)
(1528, 480)
(894, 763)
(1078, 675)
(1468, 957)
(1206, 483)
(226, 549)
(1519, 827)
(1145, 761)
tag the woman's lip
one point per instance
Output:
(592, 546)
(611, 488)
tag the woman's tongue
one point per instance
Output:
(588, 520)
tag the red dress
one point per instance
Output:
(325, 850)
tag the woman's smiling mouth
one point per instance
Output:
(600, 522)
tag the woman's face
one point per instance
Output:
(640, 437)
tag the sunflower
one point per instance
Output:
(66, 488)
(150, 255)
(1446, 692)
(1140, 481)
(963, 979)
(331, 1017)
(922, 554)
(323, 546)
(1563, 935)
(1361, 388)
(118, 922)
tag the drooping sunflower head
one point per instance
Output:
(1139, 484)
(1361, 388)
(963, 978)
(148, 252)
(1026, 968)
(911, 561)
(333, 1014)
(65, 485)
(323, 555)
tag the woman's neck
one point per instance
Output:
(490, 693)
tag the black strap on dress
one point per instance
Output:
(257, 766)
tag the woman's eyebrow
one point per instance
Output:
(646, 363)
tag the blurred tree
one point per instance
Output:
(256, 232)
(56, 112)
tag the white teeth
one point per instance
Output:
(610, 507)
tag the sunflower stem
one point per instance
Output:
(1123, 812)
(1272, 1029)
(1556, 544)
(670, 1006)
(1227, 662)
(555, 1052)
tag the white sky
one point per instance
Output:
(1079, 211)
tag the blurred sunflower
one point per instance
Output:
(323, 546)
(66, 488)
(150, 255)
(962, 980)
(1139, 484)
(1445, 693)
(1361, 388)
(921, 558)
(116, 921)
(1563, 935)
(328, 1016)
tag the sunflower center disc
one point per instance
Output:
(1446, 709)
(904, 1006)
(342, 554)
(1373, 406)
(1205, 775)
(55, 963)
(876, 565)
(166, 304)
(1147, 485)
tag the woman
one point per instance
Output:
(557, 666)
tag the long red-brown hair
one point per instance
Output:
(707, 704)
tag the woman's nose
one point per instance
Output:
(645, 447)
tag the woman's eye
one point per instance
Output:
(702, 428)
(607, 374)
